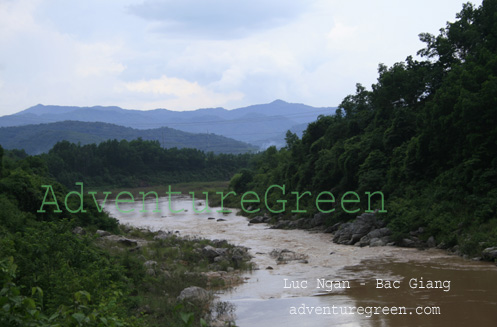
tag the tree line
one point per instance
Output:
(425, 135)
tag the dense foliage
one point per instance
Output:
(137, 163)
(425, 135)
(53, 276)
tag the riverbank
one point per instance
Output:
(298, 255)
(174, 277)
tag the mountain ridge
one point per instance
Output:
(39, 138)
(256, 124)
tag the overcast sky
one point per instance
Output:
(189, 54)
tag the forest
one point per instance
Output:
(137, 163)
(425, 135)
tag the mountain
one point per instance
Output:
(258, 124)
(39, 138)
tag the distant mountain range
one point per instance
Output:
(36, 139)
(39, 138)
(261, 125)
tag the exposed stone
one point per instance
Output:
(79, 231)
(318, 220)
(128, 242)
(221, 219)
(285, 255)
(162, 235)
(102, 233)
(194, 293)
(210, 252)
(490, 253)
(380, 237)
(281, 224)
(431, 243)
(352, 232)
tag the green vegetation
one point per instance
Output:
(425, 135)
(39, 138)
(56, 271)
(137, 163)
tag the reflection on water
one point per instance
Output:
(263, 300)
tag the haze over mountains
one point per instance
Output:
(260, 125)
(39, 138)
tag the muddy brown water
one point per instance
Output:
(339, 285)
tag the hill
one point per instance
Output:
(261, 125)
(39, 138)
(425, 136)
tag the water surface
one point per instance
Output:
(264, 301)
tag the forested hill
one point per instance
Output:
(39, 138)
(425, 135)
(260, 124)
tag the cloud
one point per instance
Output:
(217, 19)
(165, 85)
(171, 92)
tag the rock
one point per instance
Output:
(127, 242)
(281, 224)
(332, 228)
(211, 218)
(409, 243)
(352, 232)
(269, 268)
(303, 261)
(194, 293)
(102, 233)
(380, 237)
(318, 220)
(221, 219)
(150, 272)
(79, 231)
(210, 252)
(162, 235)
(489, 253)
(379, 241)
(237, 260)
(285, 255)
(431, 243)
(257, 220)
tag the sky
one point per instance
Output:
(190, 54)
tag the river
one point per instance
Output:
(336, 285)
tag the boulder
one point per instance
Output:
(102, 233)
(79, 231)
(318, 220)
(210, 252)
(380, 237)
(352, 232)
(431, 243)
(195, 293)
(490, 253)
